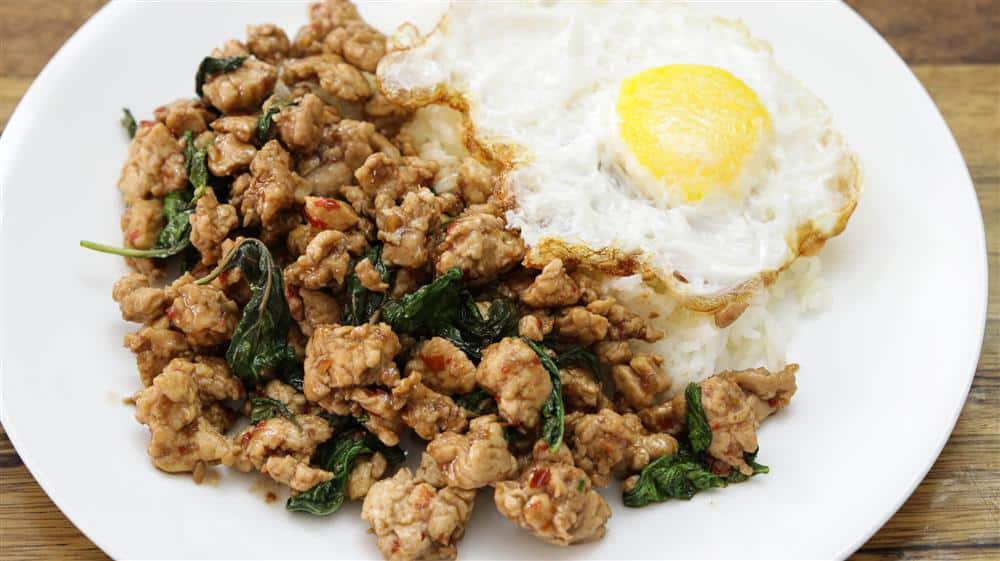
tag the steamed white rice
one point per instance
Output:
(694, 348)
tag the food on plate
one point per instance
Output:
(579, 272)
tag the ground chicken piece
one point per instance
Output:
(359, 43)
(324, 213)
(404, 229)
(581, 325)
(213, 377)
(346, 144)
(155, 346)
(293, 472)
(611, 353)
(383, 180)
(184, 115)
(443, 367)
(511, 371)
(552, 288)
(427, 412)
(155, 164)
(607, 443)
(218, 416)
(298, 239)
(766, 392)
(664, 417)
(301, 126)
(407, 281)
(179, 437)
(242, 127)
(481, 245)
(648, 448)
(413, 520)
(243, 89)
(369, 276)
(137, 300)
(335, 76)
(345, 356)
(553, 500)
(317, 308)
(274, 191)
(623, 324)
(733, 422)
(228, 155)
(642, 380)
(141, 223)
(267, 42)
(582, 391)
(280, 391)
(325, 263)
(535, 326)
(204, 313)
(364, 473)
(475, 459)
(210, 225)
(475, 181)
(381, 108)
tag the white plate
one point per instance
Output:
(884, 376)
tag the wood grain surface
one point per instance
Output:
(952, 47)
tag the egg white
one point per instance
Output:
(539, 82)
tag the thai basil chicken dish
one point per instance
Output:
(559, 266)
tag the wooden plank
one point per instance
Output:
(937, 31)
(11, 90)
(32, 31)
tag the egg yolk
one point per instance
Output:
(691, 126)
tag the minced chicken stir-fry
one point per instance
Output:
(334, 301)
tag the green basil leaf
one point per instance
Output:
(553, 412)
(212, 65)
(263, 408)
(337, 456)
(266, 120)
(259, 349)
(431, 305)
(583, 357)
(477, 402)
(128, 122)
(699, 431)
(361, 302)
(679, 476)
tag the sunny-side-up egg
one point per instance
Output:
(637, 138)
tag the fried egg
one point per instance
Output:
(638, 138)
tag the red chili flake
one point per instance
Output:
(134, 235)
(324, 202)
(774, 401)
(170, 312)
(436, 362)
(224, 277)
(145, 123)
(395, 546)
(539, 477)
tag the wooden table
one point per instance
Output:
(952, 47)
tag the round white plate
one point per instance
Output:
(884, 376)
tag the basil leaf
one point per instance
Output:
(429, 306)
(259, 349)
(477, 402)
(679, 476)
(361, 302)
(735, 476)
(266, 120)
(581, 356)
(212, 65)
(699, 431)
(553, 412)
(128, 122)
(263, 408)
(195, 164)
(337, 456)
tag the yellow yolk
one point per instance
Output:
(691, 126)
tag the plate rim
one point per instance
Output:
(27, 107)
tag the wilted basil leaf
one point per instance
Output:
(263, 408)
(128, 122)
(699, 431)
(553, 412)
